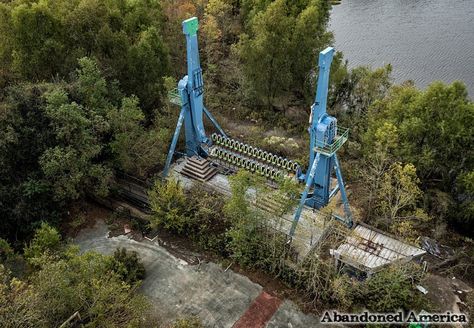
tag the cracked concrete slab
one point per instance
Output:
(289, 316)
(177, 289)
(218, 297)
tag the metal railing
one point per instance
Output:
(339, 140)
(174, 97)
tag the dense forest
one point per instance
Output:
(83, 97)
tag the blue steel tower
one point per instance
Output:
(190, 96)
(325, 141)
(325, 137)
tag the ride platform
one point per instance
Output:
(312, 227)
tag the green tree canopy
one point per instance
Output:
(44, 39)
(62, 281)
(61, 140)
(279, 50)
(431, 129)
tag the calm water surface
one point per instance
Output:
(424, 40)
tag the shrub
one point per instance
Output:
(391, 289)
(208, 224)
(169, 205)
(128, 266)
(46, 240)
(5, 250)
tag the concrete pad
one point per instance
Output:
(289, 316)
(177, 289)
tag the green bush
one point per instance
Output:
(46, 240)
(42, 40)
(197, 214)
(391, 289)
(5, 250)
(128, 266)
(208, 223)
(68, 283)
(169, 205)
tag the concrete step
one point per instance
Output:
(198, 169)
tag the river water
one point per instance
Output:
(424, 40)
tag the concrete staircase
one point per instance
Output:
(198, 169)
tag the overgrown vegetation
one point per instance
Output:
(83, 97)
(242, 232)
(62, 281)
(198, 215)
(60, 141)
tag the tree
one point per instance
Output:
(377, 164)
(219, 31)
(176, 11)
(17, 303)
(68, 282)
(42, 40)
(71, 164)
(83, 283)
(247, 238)
(264, 52)
(60, 141)
(465, 203)
(135, 148)
(147, 66)
(398, 201)
(46, 240)
(309, 37)
(208, 224)
(127, 266)
(169, 205)
(278, 50)
(25, 133)
(36, 40)
(360, 88)
(433, 133)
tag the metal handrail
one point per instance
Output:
(174, 97)
(339, 140)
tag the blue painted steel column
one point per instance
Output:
(174, 142)
(342, 188)
(318, 109)
(309, 182)
(321, 131)
(195, 84)
(213, 120)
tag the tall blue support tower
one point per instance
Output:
(325, 140)
(190, 96)
(325, 137)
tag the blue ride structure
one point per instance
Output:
(325, 137)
